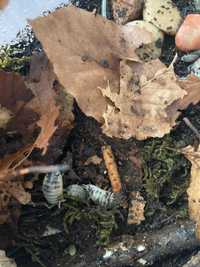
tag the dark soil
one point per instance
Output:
(86, 140)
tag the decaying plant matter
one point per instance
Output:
(149, 248)
(194, 188)
(126, 98)
(30, 107)
(130, 105)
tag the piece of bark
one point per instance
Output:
(136, 208)
(148, 248)
(194, 261)
(193, 190)
(143, 248)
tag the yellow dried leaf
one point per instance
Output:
(143, 112)
(194, 187)
(93, 160)
(5, 116)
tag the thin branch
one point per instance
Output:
(33, 169)
(192, 127)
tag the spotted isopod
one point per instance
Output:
(102, 197)
(52, 187)
(77, 191)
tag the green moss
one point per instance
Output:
(166, 171)
(103, 221)
(12, 59)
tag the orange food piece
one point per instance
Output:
(111, 166)
(188, 36)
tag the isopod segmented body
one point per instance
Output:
(52, 187)
(77, 191)
(103, 198)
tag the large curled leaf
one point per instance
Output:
(85, 50)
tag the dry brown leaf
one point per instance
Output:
(52, 103)
(93, 160)
(11, 190)
(44, 101)
(16, 190)
(85, 50)
(191, 85)
(143, 113)
(14, 96)
(147, 101)
(5, 116)
(146, 106)
(13, 160)
(136, 208)
(194, 187)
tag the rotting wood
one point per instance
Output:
(144, 249)
(148, 248)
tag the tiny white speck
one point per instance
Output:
(108, 254)
(140, 248)
(142, 261)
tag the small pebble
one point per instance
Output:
(142, 261)
(188, 36)
(195, 68)
(127, 10)
(72, 250)
(197, 5)
(163, 14)
(191, 57)
(153, 50)
(140, 248)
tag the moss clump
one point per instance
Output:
(12, 59)
(166, 170)
(101, 220)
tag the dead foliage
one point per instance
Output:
(133, 98)
(14, 96)
(85, 60)
(44, 101)
(38, 108)
(194, 187)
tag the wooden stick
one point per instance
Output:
(192, 127)
(33, 169)
(111, 166)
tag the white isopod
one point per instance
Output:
(77, 191)
(103, 198)
(52, 187)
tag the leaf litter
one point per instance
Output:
(100, 69)
(123, 113)
(34, 105)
